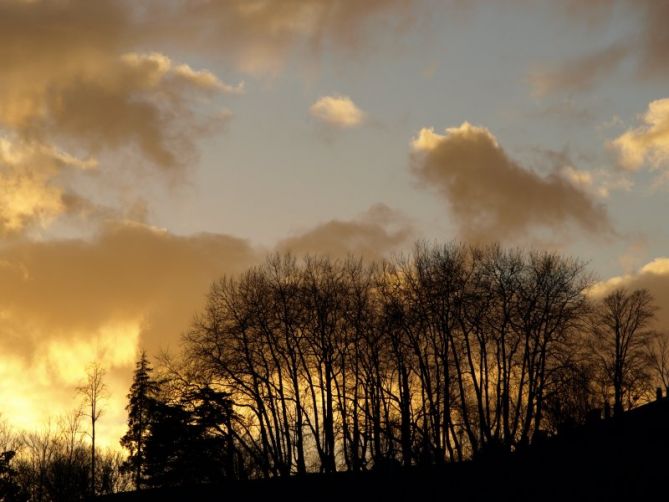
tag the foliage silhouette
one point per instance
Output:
(141, 403)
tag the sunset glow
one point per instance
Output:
(150, 148)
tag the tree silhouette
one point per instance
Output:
(621, 339)
(93, 391)
(658, 359)
(10, 490)
(141, 405)
(452, 352)
(188, 442)
(54, 463)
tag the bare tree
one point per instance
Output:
(621, 338)
(439, 356)
(70, 432)
(658, 359)
(93, 392)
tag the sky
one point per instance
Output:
(149, 147)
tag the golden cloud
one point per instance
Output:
(599, 182)
(133, 100)
(491, 196)
(338, 111)
(28, 193)
(648, 143)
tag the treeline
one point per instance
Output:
(54, 464)
(452, 353)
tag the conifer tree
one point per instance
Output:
(142, 399)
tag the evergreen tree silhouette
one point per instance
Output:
(142, 402)
(189, 441)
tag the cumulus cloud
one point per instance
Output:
(337, 111)
(578, 74)
(493, 197)
(133, 100)
(648, 143)
(374, 234)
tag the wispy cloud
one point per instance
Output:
(578, 74)
(258, 37)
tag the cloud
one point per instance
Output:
(578, 177)
(635, 253)
(598, 182)
(256, 36)
(141, 101)
(491, 196)
(648, 46)
(654, 38)
(29, 194)
(648, 143)
(578, 74)
(567, 110)
(123, 273)
(260, 35)
(337, 111)
(374, 234)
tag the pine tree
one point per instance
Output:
(142, 400)
(189, 441)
